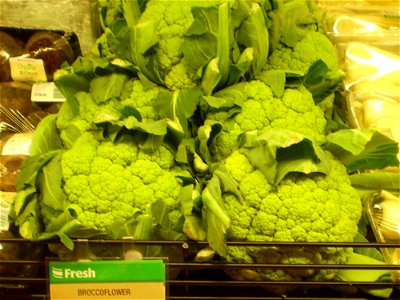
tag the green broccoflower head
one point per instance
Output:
(261, 111)
(300, 208)
(113, 182)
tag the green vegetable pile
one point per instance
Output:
(210, 120)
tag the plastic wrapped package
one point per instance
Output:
(9, 47)
(372, 82)
(372, 88)
(34, 56)
(75, 16)
(366, 35)
(383, 212)
(374, 22)
(19, 117)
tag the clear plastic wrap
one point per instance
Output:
(35, 55)
(383, 212)
(374, 22)
(74, 16)
(372, 88)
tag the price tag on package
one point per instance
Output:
(117, 279)
(46, 92)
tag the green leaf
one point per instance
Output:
(372, 275)
(363, 149)
(158, 128)
(132, 11)
(296, 17)
(228, 184)
(144, 226)
(70, 134)
(304, 157)
(193, 226)
(178, 106)
(151, 143)
(118, 40)
(205, 134)
(253, 33)
(50, 182)
(322, 81)
(278, 152)
(376, 181)
(45, 137)
(223, 44)
(232, 95)
(260, 153)
(107, 87)
(274, 11)
(21, 199)
(29, 221)
(366, 251)
(144, 39)
(201, 39)
(69, 83)
(241, 67)
(275, 79)
(217, 221)
(31, 167)
(212, 75)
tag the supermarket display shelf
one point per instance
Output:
(200, 280)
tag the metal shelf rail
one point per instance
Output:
(203, 281)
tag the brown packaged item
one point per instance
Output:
(52, 48)
(9, 47)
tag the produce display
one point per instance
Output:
(217, 121)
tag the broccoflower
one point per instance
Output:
(108, 182)
(261, 110)
(302, 207)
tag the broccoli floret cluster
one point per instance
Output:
(301, 208)
(108, 182)
(262, 110)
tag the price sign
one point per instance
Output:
(97, 280)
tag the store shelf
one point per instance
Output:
(200, 281)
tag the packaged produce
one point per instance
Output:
(18, 112)
(9, 47)
(42, 53)
(51, 47)
(76, 17)
(384, 214)
(373, 22)
(372, 88)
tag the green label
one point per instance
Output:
(107, 271)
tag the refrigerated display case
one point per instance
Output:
(24, 263)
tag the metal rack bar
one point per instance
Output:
(195, 282)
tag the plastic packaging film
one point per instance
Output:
(383, 213)
(75, 16)
(366, 34)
